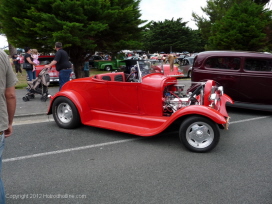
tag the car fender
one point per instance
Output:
(188, 111)
(205, 111)
(225, 99)
(106, 64)
(76, 98)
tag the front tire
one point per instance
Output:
(108, 68)
(199, 134)
(65, 113)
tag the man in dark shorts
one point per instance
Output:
(63, 66)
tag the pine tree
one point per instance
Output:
(82, 26)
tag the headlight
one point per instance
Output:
(220, 90)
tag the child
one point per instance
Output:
(35, 56)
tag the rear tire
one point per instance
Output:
(199, 134)
(65, 113)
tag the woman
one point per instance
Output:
(31, 73)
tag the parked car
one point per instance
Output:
(166, 69)
(134, 58)
(154, 57)
(109, 65)
(143, 102)
(186, 66)
(94, 58)
(53, 73)
(180, 58)
(246, 76)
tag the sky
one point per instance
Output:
(159, 10)
(3, 42)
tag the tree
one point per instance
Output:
(242, 28)
(83, 26)
(215, 11)
(170, 35)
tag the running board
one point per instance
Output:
(133, 124)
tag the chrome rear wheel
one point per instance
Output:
(65, 113)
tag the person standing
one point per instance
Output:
(86, 68)
(7, 108)
(159, 58)
(63, 65)
(16, 62)
(31, 73)
(21, 61)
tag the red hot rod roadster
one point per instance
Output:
(143, 101)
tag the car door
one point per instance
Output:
(256, 81)
(123, 96)
(97, 94)
(224, 70)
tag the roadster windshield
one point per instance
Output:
(148, 67)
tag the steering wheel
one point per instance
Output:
(132, 76)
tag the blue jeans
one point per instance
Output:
(2, 191)
(64, 76)
(31, 75)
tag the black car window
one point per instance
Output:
(184, 62)
(254, 64)
(231, 63)
(45, 60)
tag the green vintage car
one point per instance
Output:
(109, 65)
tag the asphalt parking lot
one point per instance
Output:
(45, 164)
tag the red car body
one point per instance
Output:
(53, 73)
(176, 72)
(166, 69)
(145, 105)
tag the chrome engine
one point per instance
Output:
(175, 99)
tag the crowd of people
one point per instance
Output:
(31, 56)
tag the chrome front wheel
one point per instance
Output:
(199, 134)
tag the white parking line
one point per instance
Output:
(250, 119)
(67, 150)
(102, 144)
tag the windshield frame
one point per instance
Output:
(146, 67)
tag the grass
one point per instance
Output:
(21, 80)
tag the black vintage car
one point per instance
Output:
(94, 58)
